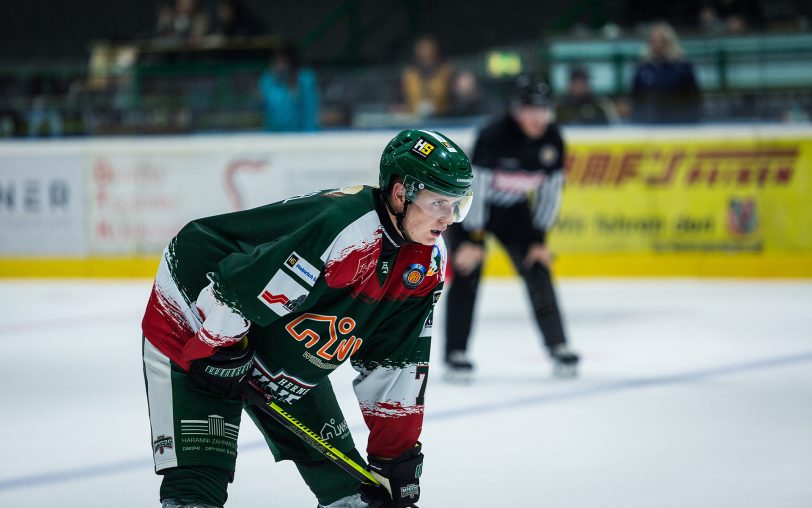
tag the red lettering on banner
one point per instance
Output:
(667, 176)
(569, 163)
(710, 168)
(628, 167)
(229, 177)
(596, 169)
(783, 175)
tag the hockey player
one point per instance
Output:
(518, 164)
(280, 296)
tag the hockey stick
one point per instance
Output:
(309, 437)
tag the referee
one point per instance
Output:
(518, 164)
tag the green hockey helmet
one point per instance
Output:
(428, 161)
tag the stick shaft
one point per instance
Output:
(310, 438)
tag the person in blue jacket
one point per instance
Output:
(289, 92)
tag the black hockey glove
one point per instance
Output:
(225, 373)
(400, 476)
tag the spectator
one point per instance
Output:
(580, 106)
(184, 23)
(164, 17)
(426, 82)
(289, 93)
(466, 95)
(733, 16)
(232, 21)
(44, 91)
(664, 89)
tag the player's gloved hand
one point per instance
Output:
(225, 373)
(400, 478)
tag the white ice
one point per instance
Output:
(693, 393)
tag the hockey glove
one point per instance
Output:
(225, 373)
(400, 480)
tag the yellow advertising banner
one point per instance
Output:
(684, 207)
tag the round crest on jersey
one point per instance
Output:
(414, 275)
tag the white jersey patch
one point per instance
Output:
(304, 270)
(283, 294)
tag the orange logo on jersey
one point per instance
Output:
(344, 326)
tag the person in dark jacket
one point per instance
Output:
(664, 89)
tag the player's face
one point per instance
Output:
(423, 227)
(533, 120)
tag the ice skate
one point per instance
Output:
(565, 361)
(458, 368)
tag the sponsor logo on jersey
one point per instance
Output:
(304, 270)
(214, 425)
(426, 331)
(385, 267)
(291, 305)
(330, 430)
(339, 342)
(162, 443)
(318, 362)
(414, 275)
(516, 182)
(280, 385)
(282, 294)
(423, 148)
(548, 155)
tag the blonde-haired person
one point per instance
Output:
(664, 89)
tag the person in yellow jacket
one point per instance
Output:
(426, 82)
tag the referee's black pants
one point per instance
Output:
(461, 296)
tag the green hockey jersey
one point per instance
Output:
(314, 281)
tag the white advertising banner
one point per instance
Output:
(139, 199)
(41, 205)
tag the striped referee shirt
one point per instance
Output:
(510, 168)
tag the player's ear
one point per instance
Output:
(397, 195)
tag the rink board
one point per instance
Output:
(707, 201)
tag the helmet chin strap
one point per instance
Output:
(399, 217)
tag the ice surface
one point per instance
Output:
(693, 393)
